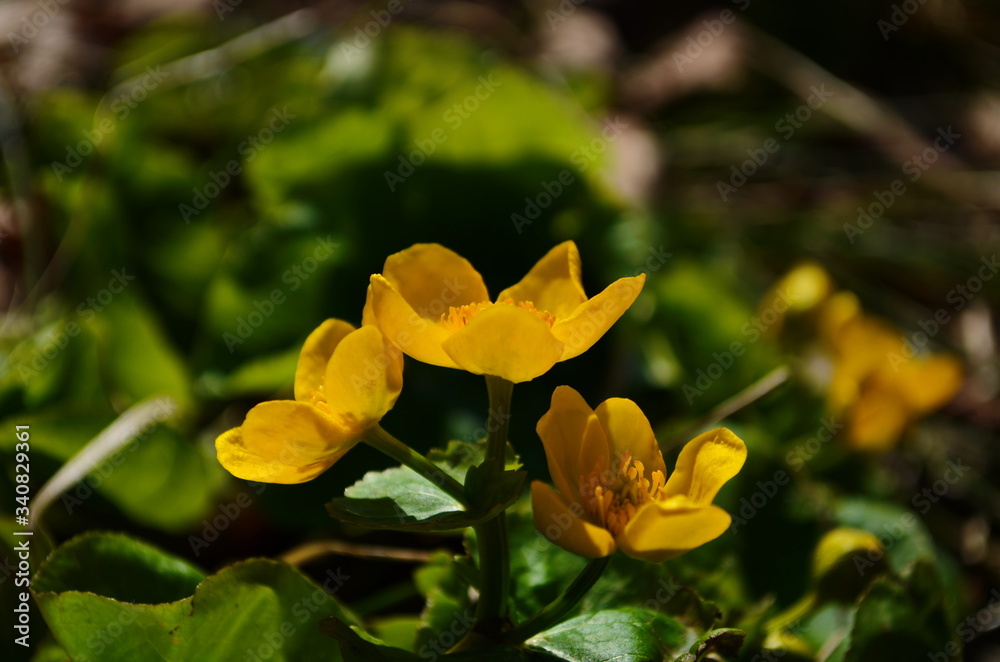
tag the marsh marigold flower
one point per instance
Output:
(345, 382)
(879, 382)
(431, 303)
(613, 489)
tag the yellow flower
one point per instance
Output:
(613, 490)
(877, 384)
(431, 303)
(799, 291)
(345, 382)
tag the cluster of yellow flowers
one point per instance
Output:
(877, 381)
(432, 305)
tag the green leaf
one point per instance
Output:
(399, 498)
(398, 631)
(901, 620)
(489, 489)
(134, 571)
(447, 612)
(112, 597)
(904, 538)
(357, 648)
(140, 360)
(630, 635)
(458, 456)
(262, 375)
(159, 479)
(50, 651)
(724, 641)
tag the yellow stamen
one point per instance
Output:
(317, 398)
(458, 317)
(612, 498)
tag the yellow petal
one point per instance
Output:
(553, 284)
(877, 420)
(628, 430)
(363, 379)
(705, 464)
(569, 430)
(505, 341)
(368, 312)
(431, 278)
(283, 441)
(928, 383)
(865, 343)
(592, 319)
(315, 354)
(562, 523)
(803, 288)
(417, 336)
(837, 311)
(663, 530)
(843, 388)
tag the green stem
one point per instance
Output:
(491, 535)
(554, 612)
(500, 391)
(382, 441)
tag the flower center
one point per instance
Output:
(317, 398)
(611, 497)
(458, 317)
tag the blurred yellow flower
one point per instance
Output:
(877, 384)
(613, 486)
(431, 303)
(799, 291)
(345, 382)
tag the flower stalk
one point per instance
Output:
(555, 611)
(491, 535)
(382, 441)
